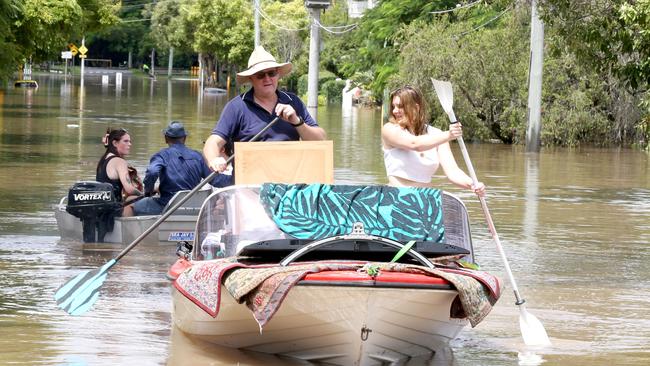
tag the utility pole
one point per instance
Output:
(171, 62)
(153, 61)
(256, 4)
(535, 80)
(314, 7)
(83, 59)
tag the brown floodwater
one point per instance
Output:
(575, 225)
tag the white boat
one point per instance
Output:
(177, 227)
(323, 300)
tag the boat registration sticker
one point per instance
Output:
(181, 235)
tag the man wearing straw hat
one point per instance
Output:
(248, 113)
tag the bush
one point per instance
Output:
(324, 78)
(332, 90)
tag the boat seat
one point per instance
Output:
(191, 206)
(456, 221)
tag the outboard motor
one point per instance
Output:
(95, 204)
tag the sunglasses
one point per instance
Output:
(262, 74)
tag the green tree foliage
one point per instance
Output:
(284, 32)
(40, 29)
(224, 28)
(374, 48)
(11, 54)
(116, 41)
(611, 35)
(167, 25)
(223, 32)
(611, 38)
(339, 47)
(489, 67)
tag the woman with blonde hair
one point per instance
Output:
(413, 150)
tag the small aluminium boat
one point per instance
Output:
(85, 214)
(344, 275)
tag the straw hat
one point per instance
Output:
(262, 60)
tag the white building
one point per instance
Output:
(357, 7)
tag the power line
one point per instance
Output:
(329, 29)
(458, 7)
(486, 23)
(135, 20)
(260, 12)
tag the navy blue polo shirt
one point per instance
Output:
(178, 168)
(242, 118)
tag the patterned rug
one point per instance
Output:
(264, 287)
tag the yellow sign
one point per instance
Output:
(83, 50)
(83, 56)
(73, 49)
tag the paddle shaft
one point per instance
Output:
(178, 204)
(490, 223)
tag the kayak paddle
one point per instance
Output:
(532, 330)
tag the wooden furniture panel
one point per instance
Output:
(284, 162)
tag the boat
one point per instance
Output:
(83, 224)
(334, 274)
(26, 83)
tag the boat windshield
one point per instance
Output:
(230, 219)
(235, 217)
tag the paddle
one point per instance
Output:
(80, 293)
(532, 330)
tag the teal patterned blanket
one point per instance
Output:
(317, 211)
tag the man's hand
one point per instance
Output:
(218, 164)
(287, 113)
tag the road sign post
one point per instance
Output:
(66, 55)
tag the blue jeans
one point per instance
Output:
(147, 206)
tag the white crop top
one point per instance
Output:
(418, 166)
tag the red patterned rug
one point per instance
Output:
(264, 287)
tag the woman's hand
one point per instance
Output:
(479, 188)
(455, 130)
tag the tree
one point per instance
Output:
(40, 29)
(223, 31)
(285, 34)
(612, 38)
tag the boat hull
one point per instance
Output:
(342, 325)
(179, 226)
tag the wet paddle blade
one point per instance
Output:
(80, 293)
(532, 330)
(445, 93)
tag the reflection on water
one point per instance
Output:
(574, 224)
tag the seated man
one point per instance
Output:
(177, 167)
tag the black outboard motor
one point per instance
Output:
(96, 206)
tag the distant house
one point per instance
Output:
(357, 7)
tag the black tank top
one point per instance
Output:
(102, 176)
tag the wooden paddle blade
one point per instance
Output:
(532, 330)
(80, 293)
(445, 93)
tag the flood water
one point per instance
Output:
(575, 224)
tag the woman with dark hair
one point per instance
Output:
(413, 150)
(113, 169)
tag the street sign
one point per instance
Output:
(83, 56)
(66, 55)
(82, 50)
(73, 49)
